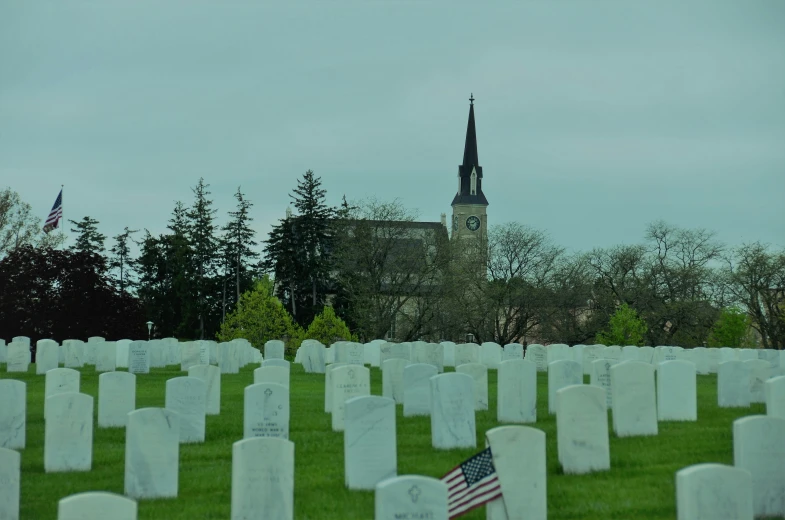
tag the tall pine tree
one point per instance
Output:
(237, 242)
(88, 240)
(205, 258)
(121, 258)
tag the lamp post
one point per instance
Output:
(149, 329)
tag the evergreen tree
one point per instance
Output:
(204, 256)
(121, 258)
(88, 240)
(236, 244)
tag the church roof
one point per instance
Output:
(470, 164)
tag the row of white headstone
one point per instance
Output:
(137, 356)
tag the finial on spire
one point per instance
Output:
(471, 99)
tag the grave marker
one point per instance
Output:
(116, 398)
(411, 497)
(370, 454)
(188, 397)
(263, 479)
(68, 433)
(516, 396)
(452, 411)
(582, 429)
(266, 411)
(13, 414)
(152, 453)
(417, 389)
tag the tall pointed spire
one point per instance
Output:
(470, 148)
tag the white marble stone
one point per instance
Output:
(389, 350)
(188, 397)
(491, 354)
(601, 376)
(13, 414)
(466, 353)
(270, 374)
(774, 390)
(266, 411)
(449, 353)
(452, 411)
(349, 352)
(591, 353)
(479, 374)
(96, 505)
(116, 398)
(18, 355)
(68, 433)
(558, 352)
(582, 429)
(74, 353)
(611, 352)
(519, 458)
(634, 399)
(516, 396)
(274, 349)
(666, 353)
(630, 353)
(700, 357)
(372, 353)
(347, 382)
(369, 443)
(714, 358)
(46, 355)
(428, 353)
(228, 358)
(106, 356)
(211, 375)
(392, 378)
(713, 492)
(512, 351)
(646, 354)
(577, 353)
(537, 354)
(172, 351)
(677, 398)
(328, 385)
(276, 363)
(189, 355)
(760, 371)
(733, 384)
(417, 389)
(122, 346)
(156, 348)
(10, 471)
(561, 373)
(60, 381)
(138, 357)
(728, 354)
(411, 497)
(313, 357)
(3, 351)
(263, 479)
(759, 447)
(204, 351)
(152, 453)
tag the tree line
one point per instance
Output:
(381, 273)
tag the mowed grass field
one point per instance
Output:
(640, 484)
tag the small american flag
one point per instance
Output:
(55, 215)
(472, 484)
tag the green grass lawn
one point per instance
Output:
(640, 484)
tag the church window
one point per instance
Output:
(474, 183)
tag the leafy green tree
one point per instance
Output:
(19, 227)
(326, 327)
(121, 258)
(238, 256)
(88, 239)
(259, 317)
(731, 329)
(625, 328)
(204, 258)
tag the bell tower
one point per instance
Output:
(469, 207)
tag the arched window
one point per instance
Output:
(474, 183)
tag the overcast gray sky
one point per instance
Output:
(593, 118)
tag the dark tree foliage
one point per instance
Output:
(204, 260)
(238, 257)
(47, 293)
(298, 251)
(88, 239)
(121, 260)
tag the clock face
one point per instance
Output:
(473, 223)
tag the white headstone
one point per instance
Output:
(96, 505)
(452, 411)
(774, 390)
(60, 381)
(519, 458)
(538, 355)
(3, 351)
(347, 382)
(700, 357)
(277, 363)
(759, 447)
(188, 397)
(270, 374)
(122, 346)
(449, 353)
(349, 352)
(491, 354)
(189, 355)
(646, 354)
(512, 351)
(18, 357)
(116, 398)
(74, 353)
(417, 389)
(516, 396)
(428, 353)
(677, 398)
(138, 358)
(105, 356)
(760, 371)
(266, 411)
(313, 357)
(68, 433)
(211, 375)
(591, 353)
(274, 349)
(630, 353)
(733, 384)
(411, 497)
(369, 444)
(152, 453)
(562, 373)
(263, 479)
(558, 352)
(713, 491)
(13, 414)
(582, 429)
(228, 358)
(46, 355)
(466, 353)
(372, 353)
(479, 374)
(328, 385)
(634, 399)
(390, 350)
(10, 470)
(601, 376)
(392, 378)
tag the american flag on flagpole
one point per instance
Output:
(55, 215)
(471, 484)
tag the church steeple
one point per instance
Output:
(470, 172)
